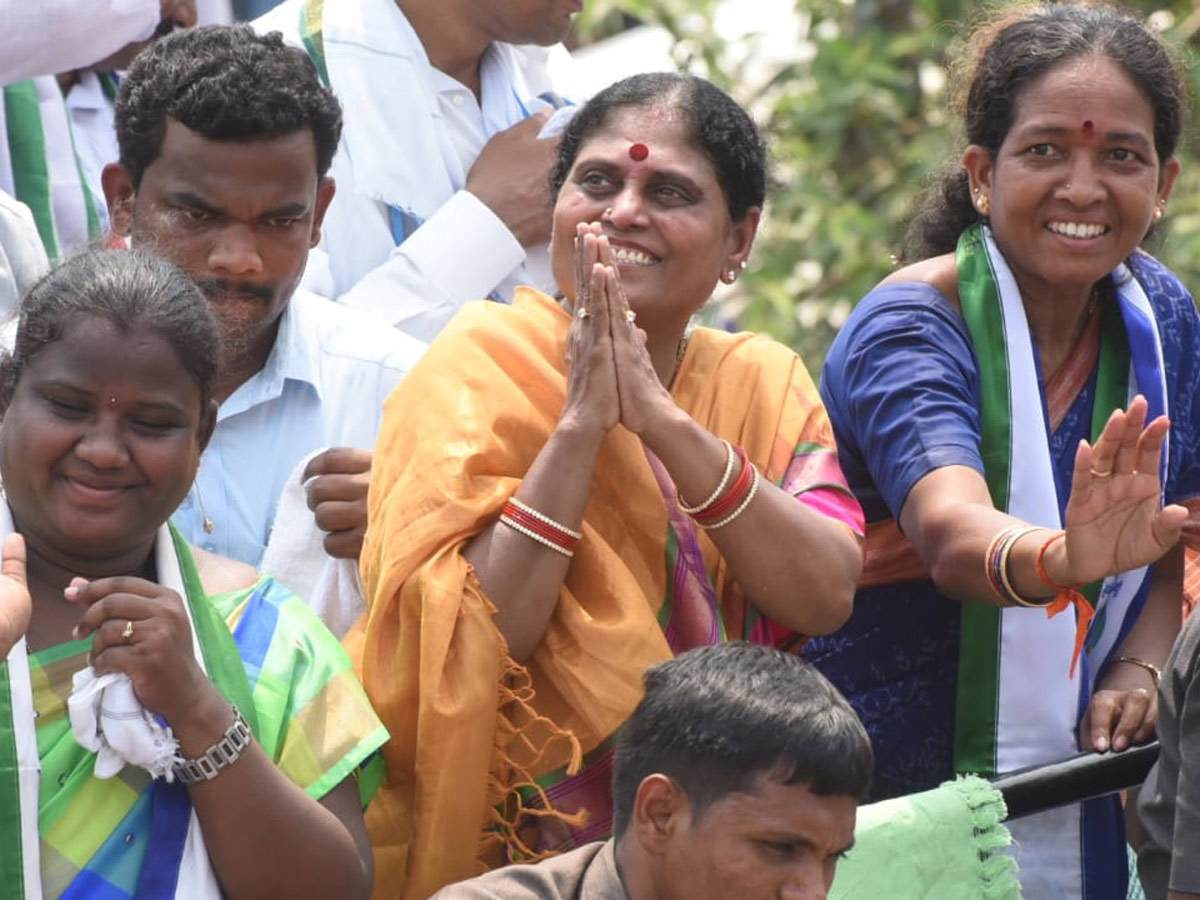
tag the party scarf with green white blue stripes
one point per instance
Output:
(1016, 704)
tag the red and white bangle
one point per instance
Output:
(721, 485)
(741, 507)
(736, 493)
(539, 527)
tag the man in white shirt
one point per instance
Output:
(442, 178)
(225, 141)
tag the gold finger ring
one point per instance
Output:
(630, 316)
(127, 634)
(1100, 475)
(582, 313)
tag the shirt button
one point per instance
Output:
(129, 838)
(62, 779)
(458, 100)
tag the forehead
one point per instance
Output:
(1084, 89)
(266, 172)
(92, 350)
(787, 812)
(664, 129)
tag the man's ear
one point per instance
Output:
(326, 187)
(119, 194)
(208, 423)
(661, 811)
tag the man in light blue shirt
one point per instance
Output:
(225, 138)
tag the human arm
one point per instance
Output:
(420, 284)
(1113, 522)
(521, 577)
(52, 36)
(285, 841)
(15, 604)
(335, 485)
(1124, 708)
(821, 554)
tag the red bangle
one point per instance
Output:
(539, 527)
(721, 507)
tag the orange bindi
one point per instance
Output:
(639, 152)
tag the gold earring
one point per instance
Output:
(983, 204)
(730, 276)
(1160, 210)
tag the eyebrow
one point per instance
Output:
(70, 387)
(661, 174)
(1131, 137)
(187, 198)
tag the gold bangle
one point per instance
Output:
(1155, 671)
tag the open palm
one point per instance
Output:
(1113, 519)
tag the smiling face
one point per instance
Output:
(238, 216)
(99, 444)
(1073, 187)
(669, 226)
(775, 842)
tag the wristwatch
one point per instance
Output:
(220, 755)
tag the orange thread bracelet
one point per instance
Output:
(1067, 596)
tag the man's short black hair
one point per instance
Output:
(225, 84)
(716, 719)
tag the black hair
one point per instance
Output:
(1012, 53)
(226, 83)
(716, 719)
(720, 128)
(131, 289)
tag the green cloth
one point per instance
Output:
(944, 844)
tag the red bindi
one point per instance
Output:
(639, 152)
(1088, 129)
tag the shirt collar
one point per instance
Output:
(295, 356)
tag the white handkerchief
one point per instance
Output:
(108, 719)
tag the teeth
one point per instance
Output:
(623, 256)
(1077, 229)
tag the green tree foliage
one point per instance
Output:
(858, 122)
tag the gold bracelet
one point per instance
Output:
(1155, 671)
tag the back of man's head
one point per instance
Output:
(717, 719)
(224, 83)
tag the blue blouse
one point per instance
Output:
(901, 386)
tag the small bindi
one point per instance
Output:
(1089, 129)
(638, 152)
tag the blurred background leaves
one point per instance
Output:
(856, 114)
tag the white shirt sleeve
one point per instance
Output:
(22, 258)
(460, 253)
(45, 37)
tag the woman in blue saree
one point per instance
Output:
(1001, 409)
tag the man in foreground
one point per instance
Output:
(738, 776)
